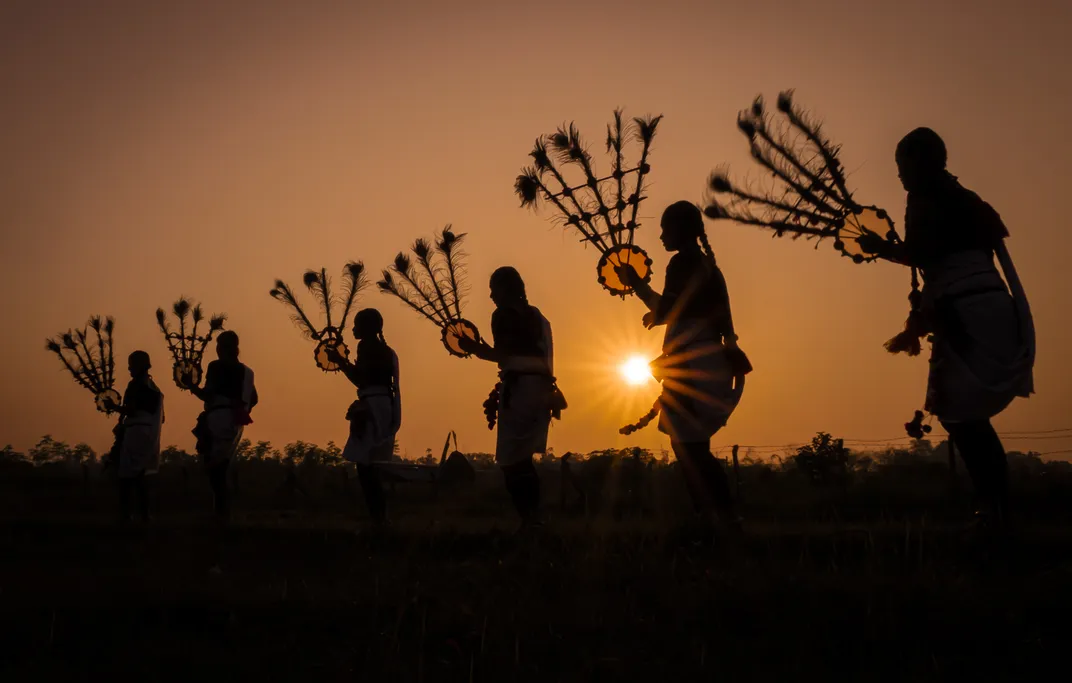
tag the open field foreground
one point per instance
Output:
(628, 602)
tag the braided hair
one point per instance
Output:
(687, 218)
(370, 322)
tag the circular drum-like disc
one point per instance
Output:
(184, 373)
(101, 399)
(320, 354)
(869, 219)
(618, 256)
(454, 331)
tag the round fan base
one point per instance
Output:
(869, 219)
(320, 354)
(186, 373)
(620, 255)
(456, 330)
(103, 399)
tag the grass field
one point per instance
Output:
(820, 586)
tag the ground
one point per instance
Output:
(302, 598)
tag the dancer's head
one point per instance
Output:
(368, 324)
(507, 287)
(683, 227)
(138, 363)
(227, 345)
(921, 159)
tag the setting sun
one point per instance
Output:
(635, 371)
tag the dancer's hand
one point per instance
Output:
(472, 347)
(187, 380)
(334, 356)
(628, 275)
(871, 243)
(648, 320)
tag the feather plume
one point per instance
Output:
(97, 373)
(353, 281)
(283, 293)
(423, 251)
(388, 285)
(96, 324)
(808, 196)
(449, 247)
(403, 267)
(527, 186)
(88, 360)
(435, 288)
(109, 327)
(319, 284)
(54, 347)
(589, 206)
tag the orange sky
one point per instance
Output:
(149, 150)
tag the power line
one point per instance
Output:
(1041, 431)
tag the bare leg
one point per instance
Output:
(710, 483)
(523, 485)
(372, 489)
(984, 457)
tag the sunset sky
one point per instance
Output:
(155, 149)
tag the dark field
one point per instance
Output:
(870, 579)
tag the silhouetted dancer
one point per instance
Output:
(983, 338)
(527, 395)
(376, 415)
(701, 369)
(229, 395)
(137, 445)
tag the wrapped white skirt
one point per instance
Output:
(524, 417)
(983, 348)
(373, 429)
(225, 433)
(140, 449)
(698, 394)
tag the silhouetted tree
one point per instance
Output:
(824, 461)
(263, 450)
(9, 454)
(48, 450)
(331, 454)
(173, 455)
(427, 458)
(244, 450)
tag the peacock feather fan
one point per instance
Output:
(87, 355)
(187, 344)
(807, 194)
(329, 337)
(603, 208)
(432, 283)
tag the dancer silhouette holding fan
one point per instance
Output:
(376, 415)
(701, 368)
(983, 337)
(229, 395)
(526, 397)
(138, 434)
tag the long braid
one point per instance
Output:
(706, 246)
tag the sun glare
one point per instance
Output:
(635, 371)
